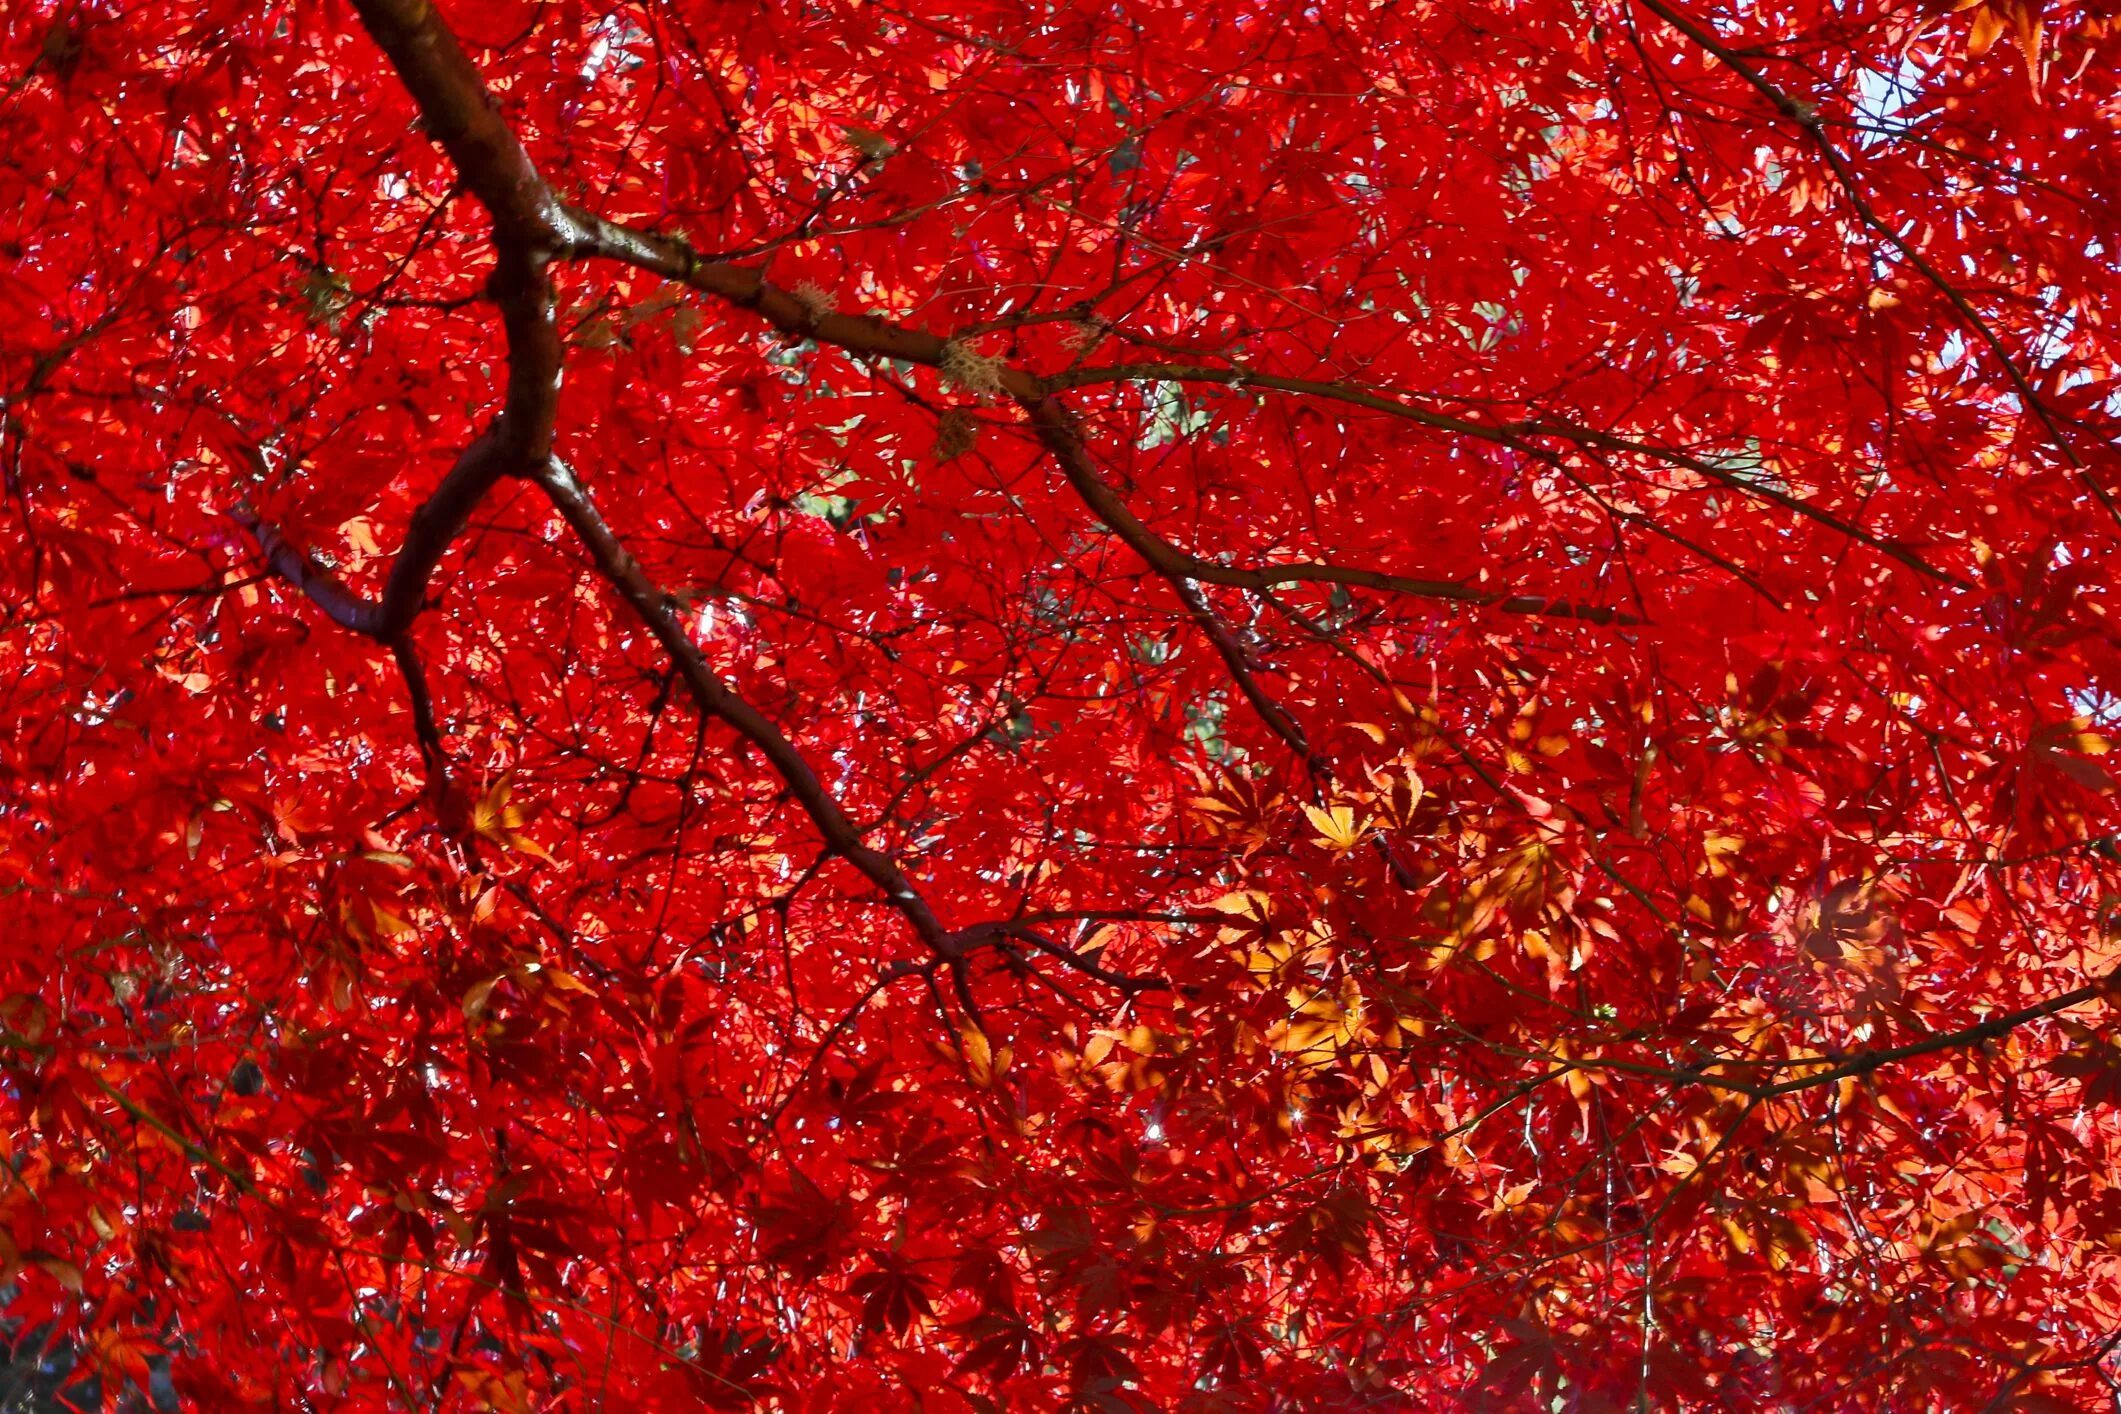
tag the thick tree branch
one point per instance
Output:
(1864, 1062)
(1088, 966)
(720, 701)
(868, 336)
(1838, 1066)
(531, 228)
(1518, 436)
(1056, 431)
(460, 115)
(423, 716)
(343, 606)
(715, 698)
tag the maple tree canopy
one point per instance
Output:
(1101, 703)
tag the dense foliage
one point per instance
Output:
(1139, 704)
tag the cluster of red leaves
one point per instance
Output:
(1130, 704)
